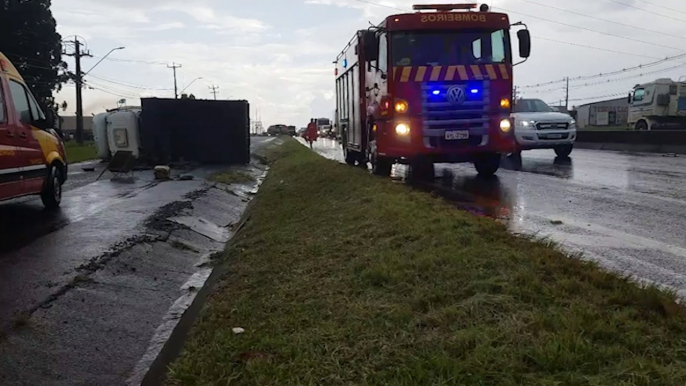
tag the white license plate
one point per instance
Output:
(554, 136)
(456, 135)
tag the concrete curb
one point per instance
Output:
(184, 312)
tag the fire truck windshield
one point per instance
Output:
(450, 47)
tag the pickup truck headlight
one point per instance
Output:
(524, 123)
(572, 124)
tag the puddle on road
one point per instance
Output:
(480, 196)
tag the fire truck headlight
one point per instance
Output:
(401, 106)
(402, 129)
(505, 126)
(505, 103)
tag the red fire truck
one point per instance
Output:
(429, 87)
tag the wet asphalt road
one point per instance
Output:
(44, 254)
(625, 210)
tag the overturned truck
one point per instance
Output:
(165, 131)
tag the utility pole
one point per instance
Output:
(174, 66)
(78, 79)
(215, 91)
(567, 95)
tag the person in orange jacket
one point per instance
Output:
(311, 134)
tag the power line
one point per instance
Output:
(605, 20)
(631, 77)
(132, 61)
(131, 85)
(612, 73)
(661, 6)
(595, 48)
(591, 30)
(597, 97)
(383, 5)
(119, 95)
(119, 92)
(647, 11)
(552, 21)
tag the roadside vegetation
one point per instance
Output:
(79, 153)
(340, 277)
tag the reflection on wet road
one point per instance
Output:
(626, 211)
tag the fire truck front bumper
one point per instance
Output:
(448, 145)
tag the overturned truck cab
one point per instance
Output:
(430, 87)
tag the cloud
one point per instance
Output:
(279, 56)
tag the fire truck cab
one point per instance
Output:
(430, 87)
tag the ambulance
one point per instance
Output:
(32, 156)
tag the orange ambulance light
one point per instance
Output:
(442, 7)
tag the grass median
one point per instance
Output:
(80, 152)
(340, 277)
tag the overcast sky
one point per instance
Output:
(278, 54)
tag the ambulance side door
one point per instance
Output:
(34, 168)
(11, 184)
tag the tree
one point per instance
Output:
(29, 38)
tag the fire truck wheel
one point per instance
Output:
(350, 157)
(487, 165)
(422, 170)
(381, 166)
(52, 192)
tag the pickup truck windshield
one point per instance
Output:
(532, 106)
(449, 47)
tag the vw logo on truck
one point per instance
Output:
(457, 95)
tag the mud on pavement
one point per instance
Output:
(108, 324)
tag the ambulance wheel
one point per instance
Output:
(487, 165)
(422, 170)
(52, 192)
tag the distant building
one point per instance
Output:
(560, 109)
(69, 126)
(613, 112)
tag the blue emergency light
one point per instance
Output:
(436, 92)
(474, 91)
(345, 63)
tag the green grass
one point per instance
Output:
(342, 278)
(231, 177)
(79, 153)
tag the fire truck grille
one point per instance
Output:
(449, 106)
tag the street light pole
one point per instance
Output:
(103, 58)
(189, 84)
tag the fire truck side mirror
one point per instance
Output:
(371, 46)
(524, 43)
